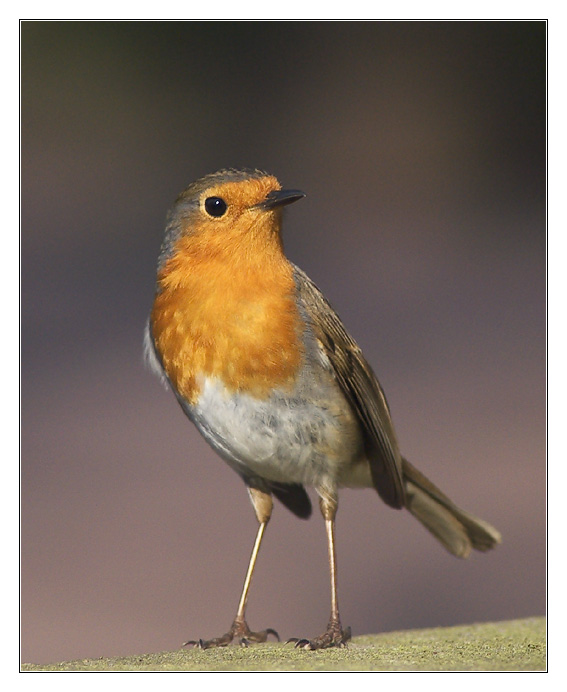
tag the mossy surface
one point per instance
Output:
(516, 645)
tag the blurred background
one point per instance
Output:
(421, 147)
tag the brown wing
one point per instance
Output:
(361, 388)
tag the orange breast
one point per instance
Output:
(235, 320)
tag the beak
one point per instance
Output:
(279, 198)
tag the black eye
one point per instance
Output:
(215, 206)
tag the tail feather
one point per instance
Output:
(456, 529)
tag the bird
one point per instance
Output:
(263, 366)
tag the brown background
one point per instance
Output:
(421, 146)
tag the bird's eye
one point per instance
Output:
(215, 206)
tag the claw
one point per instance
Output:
(303, 644)
(297, 641)
(193, 643)
(273, 633)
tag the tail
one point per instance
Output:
(457, 530)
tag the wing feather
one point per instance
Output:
(360, 387)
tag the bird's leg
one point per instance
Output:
(334, 634)
(262, 503)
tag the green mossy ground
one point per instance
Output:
(516, 645)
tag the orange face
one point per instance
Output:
(225, 305)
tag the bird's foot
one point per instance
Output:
(333, 636)
(238, 631)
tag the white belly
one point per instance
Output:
(290, 438)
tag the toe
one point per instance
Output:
(335, 636)
(239, 632)
(209, 643)
(259, 637)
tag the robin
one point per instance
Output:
(263, 366)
